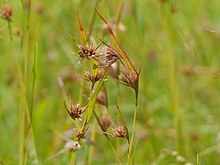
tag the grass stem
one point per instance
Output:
(132, 136)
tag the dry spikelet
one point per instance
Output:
(94, 78)
(75, 111)
(6, 12)
(130, 78)
(120, 132)
(86, 51)
(109, 57)
(80, 134)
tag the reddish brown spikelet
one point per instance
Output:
(94, 78)
(75, 111)
(108, 58)
(80, 134)
(120, 132)
(130, 78)
(87, 51)
(6, 12)
(106, 122)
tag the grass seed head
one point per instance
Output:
(6, 12)
(109, 57)
(120, 132)
(130, 78)
(75, 111)
(94, 78)
(80, 134)
(87, 51)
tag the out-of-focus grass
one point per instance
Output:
(177, 44)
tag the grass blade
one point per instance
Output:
(122, 52)
(82, 32)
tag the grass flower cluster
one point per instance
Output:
(101, 58)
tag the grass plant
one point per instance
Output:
(109, 82)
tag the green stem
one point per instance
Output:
(91, 148)
(10, 31)
(21, 131)
(73, 158)
(132, 135)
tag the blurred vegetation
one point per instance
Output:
(175, 42)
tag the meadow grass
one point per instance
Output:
(176, 43)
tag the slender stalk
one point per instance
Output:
(91, 148)
(73, 158)
(26, 121)
(10, 31)
(197, 159)
(34, 69)
(22, 107)
(132, 135)
(30, 130)
(21, 131)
